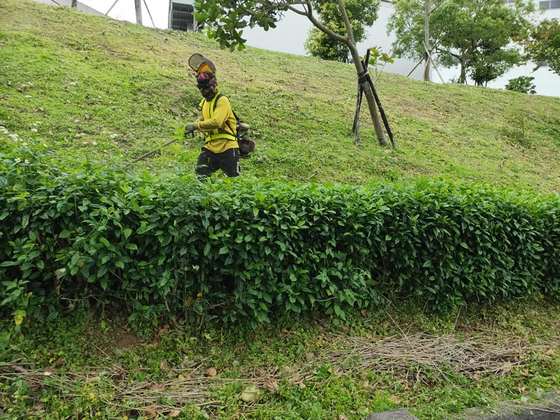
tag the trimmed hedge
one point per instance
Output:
(242, 250)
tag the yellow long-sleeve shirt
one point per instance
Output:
(218, 124)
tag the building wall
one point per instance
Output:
(181, 15)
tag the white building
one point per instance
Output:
(181, 15)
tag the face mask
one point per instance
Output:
(207, 93)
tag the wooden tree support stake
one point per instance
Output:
(363, 79)
(356, 125)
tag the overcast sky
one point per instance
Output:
(291, 33)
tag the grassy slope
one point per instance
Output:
(105, 90)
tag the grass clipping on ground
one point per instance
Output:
(377, 362)
(419, 359)
(96, 89)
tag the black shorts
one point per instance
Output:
(209, 162)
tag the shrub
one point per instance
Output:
(522, 84)
(253, 250)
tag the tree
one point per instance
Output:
(522, 84)
(320, 45)
(490, 63)
(477, 35)
(226, 21)
(362, 13)
(427, 43)
(138, 9)
(543, 46)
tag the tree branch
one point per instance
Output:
(445, 51)
(319, 25)
(299, 12)
(349, 30)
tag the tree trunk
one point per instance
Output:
(74, 3)
(138, 8)
(373, 111)
(463, 76)
(427, 7)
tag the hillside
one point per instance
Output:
(93, 88)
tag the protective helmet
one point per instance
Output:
(200, 64)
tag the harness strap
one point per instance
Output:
(212, 107)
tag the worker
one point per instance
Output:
(219, 126)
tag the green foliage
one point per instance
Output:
(94, 93)
(522, 84)
(408, 25)
(491, 62)
(362, 13)
(319, 44)
(256, 251)
(226, 21)
(543, 45)
(476, 35)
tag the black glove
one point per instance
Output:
(190, 129)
